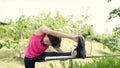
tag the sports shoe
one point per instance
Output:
(81, 52)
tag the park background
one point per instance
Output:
(97, 20)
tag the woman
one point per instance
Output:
(41, 39)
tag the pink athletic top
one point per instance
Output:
(35, 48)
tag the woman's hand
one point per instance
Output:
(76, 38)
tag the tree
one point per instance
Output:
(113, 41)
(114, 13)
(16, 32)
(3, 30)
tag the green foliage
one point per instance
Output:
(112, 42)
(104, 62)
(87, 31)
(15, 33)
(52, 65)
(4, 44)
(18, 29)
(63, 65)
(56, 22)
(1, 45)
(98, 37)
(116, 31)
(114, 13)
(2, 30)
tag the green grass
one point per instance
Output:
(106, 62)
(8, 59)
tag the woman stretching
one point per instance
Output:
(44, 37)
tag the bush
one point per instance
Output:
(97, 37)
(112, 42)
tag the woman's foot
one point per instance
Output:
(80, 51)
(74, 53)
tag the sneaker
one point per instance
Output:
(81, 52)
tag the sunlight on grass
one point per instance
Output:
(12, 64)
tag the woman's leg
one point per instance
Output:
(57, 54)
(41, 57)
(29, 62)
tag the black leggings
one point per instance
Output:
(30, 62)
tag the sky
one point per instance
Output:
(98, 10)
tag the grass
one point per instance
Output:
(8, 60)
(104, 62)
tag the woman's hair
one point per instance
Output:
(55, 41)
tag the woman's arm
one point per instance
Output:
(46, 30)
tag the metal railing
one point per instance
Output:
(71, 61)
(70, 57)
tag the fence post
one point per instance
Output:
(71, 63)
(70, 60)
